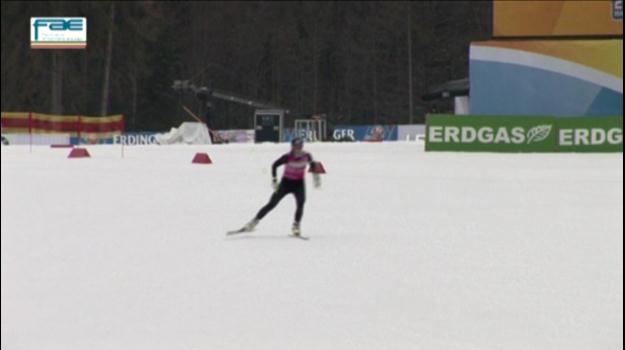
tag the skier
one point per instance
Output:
(295, 163)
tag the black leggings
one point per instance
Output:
(287, 186)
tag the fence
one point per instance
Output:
(46, 128)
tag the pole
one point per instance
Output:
(79, 130)
(199, 120)
(107, 65)
(193, 115)
(121, 135)
(30, 131)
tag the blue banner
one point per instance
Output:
(90, 140)
(136, 138)
(371, 133)
(129, 138)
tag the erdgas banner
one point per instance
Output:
(488, 133)
(523, 134)
(587, 134)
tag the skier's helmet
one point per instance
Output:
(297, 143)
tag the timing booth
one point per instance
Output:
(268, 125)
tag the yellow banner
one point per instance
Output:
(512, 18)
(39, 123)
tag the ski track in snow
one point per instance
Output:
(408, 250)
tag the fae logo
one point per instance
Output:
(617, 10)
(58, 32)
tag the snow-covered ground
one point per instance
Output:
(408, 250)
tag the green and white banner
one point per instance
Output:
(588, 134)
(523, 134)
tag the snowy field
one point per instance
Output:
(408, 250)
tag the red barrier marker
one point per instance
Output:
(202, 158)
(317, 167)
(79, 153)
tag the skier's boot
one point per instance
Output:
(295, 229)
(251, 225)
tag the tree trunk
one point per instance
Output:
(134, 97)
(107, 66)
(56, 101)
(374, 72)
(375, 92)
(410, 110)
(315, 71)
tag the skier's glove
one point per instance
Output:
(317, 180)
(274, 183)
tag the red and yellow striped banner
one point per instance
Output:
(74, 125)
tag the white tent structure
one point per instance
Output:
(190, 133)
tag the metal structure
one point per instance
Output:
(268, 124)
(311, 129)
(268, 118)
(240, 100)
(204, 93)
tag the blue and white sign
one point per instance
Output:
(58, 32)
(370, 133)
(136, 138)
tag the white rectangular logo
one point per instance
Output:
(58, 32)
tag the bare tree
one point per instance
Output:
(107, 66)
(56, 101)
(349, 60)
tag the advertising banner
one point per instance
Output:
(58, 32)
(36, 139)
(75, 125)
(135, 138)
(288, 134)
(557, 18)
(490, 133)
(371, 133)
(410, 132)
(523, 134)
(547, 77)
(601, 134)
(237, 135)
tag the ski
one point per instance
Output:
(304, 238)
(235, 232)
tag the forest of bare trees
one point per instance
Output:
(348, 60)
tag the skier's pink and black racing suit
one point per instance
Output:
(292, 182)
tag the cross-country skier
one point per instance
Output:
(295, 163)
